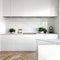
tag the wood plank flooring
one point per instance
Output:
(17, 55)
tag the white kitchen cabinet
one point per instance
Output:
(18, 43)
(27, 43)
(31, 8)
(6, 7)
(22, 42)
(7, 43)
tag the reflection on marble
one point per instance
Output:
(17, 55)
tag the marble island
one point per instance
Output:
(48, 49)
(48, 41)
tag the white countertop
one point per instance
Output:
(29, 34)
(48, 41)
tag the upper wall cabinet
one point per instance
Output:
(30, 7)
(6, 7)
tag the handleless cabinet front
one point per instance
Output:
(30, 8)
(6, 7)
(18, 43)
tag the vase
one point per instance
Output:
(12, 32)
(42, 32)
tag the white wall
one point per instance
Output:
(2, 21)
(59, 18)
(28, 24)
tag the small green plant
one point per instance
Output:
(11, 30)
(41, 29)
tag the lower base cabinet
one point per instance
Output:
(22, 42)
(18, 43)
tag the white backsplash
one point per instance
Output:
(29, 25)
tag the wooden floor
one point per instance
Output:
(27, 55)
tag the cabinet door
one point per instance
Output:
(30, 7)
(7, 43)
(33, 7)
(25, 43)
(6, 7)
(18, 43)
(54, 7)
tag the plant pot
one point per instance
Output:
(12, 32)
(42, 32)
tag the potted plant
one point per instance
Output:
(42, 30)
(11, 30)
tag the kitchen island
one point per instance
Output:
(48, 49)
